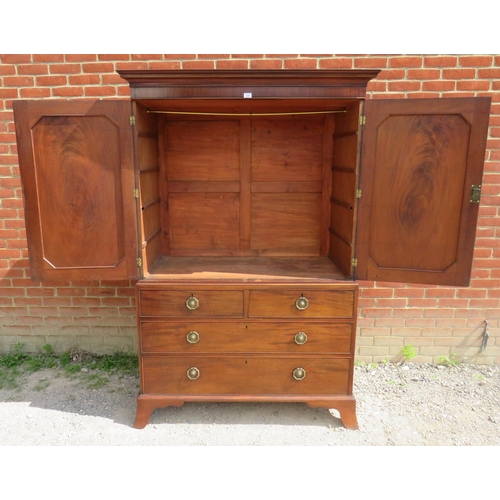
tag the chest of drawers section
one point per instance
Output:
(247, 342)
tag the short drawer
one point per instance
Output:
(206, 303)
(301, 304)
(245, 337)
(244, 375)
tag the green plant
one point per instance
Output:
(448, 360)
(373, 364)
(409, 352)
(359, 363)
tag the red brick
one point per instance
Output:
(403, 86)
(372, 62)
(438, 85)
(32, 69)
(84, 79)
(18, 81)
(406, 62)
(34, 93)
(247, 56)
(65, 68)
(80, 57)
(179, 56)
(113, 57)
(7, 70)
(475, 60)
(423, 74)
(232, 64)
(338, 62)
(301, 63)
(15, 58)
(67, 91)
(266, 64)
(100, 91)
(146, 57)
(440, 61)
(48, 58)
(472, 85)
(281, 56)
(8, 93)
(131, 65)
(488, 73)
(459, 73)
(164, 65)
(98, 67)
(51, 80)
(214, 56)
(198, 65)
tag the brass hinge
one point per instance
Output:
(354, 262)
(136, 194)
(132, 120)
(139, 262)
(475, 193)
(358, 193)
(362, 120)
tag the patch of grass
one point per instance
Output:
(448, 360)
(409, 352)
(17, 364)
(95, 381)
(42, 384)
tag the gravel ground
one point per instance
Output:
(410, 404)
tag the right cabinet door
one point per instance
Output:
(421, 170)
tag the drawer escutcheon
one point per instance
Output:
(299, 373)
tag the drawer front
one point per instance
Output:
(243, 375)
(296, 338)
(208, 304)
(318, 304)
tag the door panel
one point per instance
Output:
(78, 179)
(416, 222)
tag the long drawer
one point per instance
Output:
(244, 375)
(202, 303)
(245, 337)
(301, 304)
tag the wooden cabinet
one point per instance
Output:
(247, 203)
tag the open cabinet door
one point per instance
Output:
(421, 170)
(77, 171)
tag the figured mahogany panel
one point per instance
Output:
(238, 374)
(420, 159)
(160, 337)
(203, 150)
(78, 179)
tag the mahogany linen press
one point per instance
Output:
(246, 204)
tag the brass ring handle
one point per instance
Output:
(301, 303)
(299, 373)
(193, 373)
(192, 303)
(192, 337)
(300, 338)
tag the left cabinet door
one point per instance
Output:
(77, 172)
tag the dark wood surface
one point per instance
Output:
(246, 337)
(78, 178)
(230, 84)
(246, 269)
(239, 374)
(416, 223)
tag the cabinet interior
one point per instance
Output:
(265, 189)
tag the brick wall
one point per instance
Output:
(100, 316)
